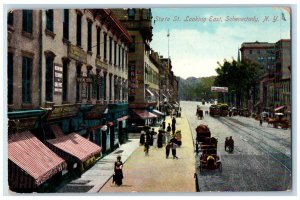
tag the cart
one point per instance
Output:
(209, 158)
(202, 132)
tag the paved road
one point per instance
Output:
(261, 160)
(155, 173)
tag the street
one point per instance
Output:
(261, 160)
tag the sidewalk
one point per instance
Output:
(155, 173)
(98, 175)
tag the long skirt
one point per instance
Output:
(118, 177)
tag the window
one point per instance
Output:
(115, 53)
(104, 85)
(250, 51)
(89, 85)
(119, 55)
(66, 24)
(10, 18)
(26, 78)
(110, 87)
(78, 31)
(126, 64)
(49, 79)
(122, 58)
(132, 45)
(98, 41)
(98, 83)
(105, 48)
(10, 73)
(49, 20)
(89, 36)
(258, 51)
(65, 80)
(131, 14)
(110, 50)
(78, 74)
(27, 21)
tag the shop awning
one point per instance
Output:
(158, 112)
(144, 114)
(32, 156)
(76, 146)
(123, 118)
(279, 108)
(149, 92)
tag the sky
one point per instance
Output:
(205, 35)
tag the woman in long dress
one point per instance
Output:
(159, 139)
(118, 171)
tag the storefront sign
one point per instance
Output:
(84, 80)
(219, 89)
(58, 79)
(62, 111)
(22, 124)
(77, 53)
(100, 64)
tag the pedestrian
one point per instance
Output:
(178, 138)
(226, 143)
(168, 147)
(142, 138)
(173, 121)
(159, 139)
(173, 129)
(148, 137)
(174, 146)
(118, 176)
(146, 148)
(152, 133)
(164, 124)
(231, 143)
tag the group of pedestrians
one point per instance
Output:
(165, 137)
(151, 138)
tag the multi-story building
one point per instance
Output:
(261, 53)
(282, 82)
(68, 71)
(274, 58)
(141, 98)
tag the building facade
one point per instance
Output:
(275, 82)
(263, 54)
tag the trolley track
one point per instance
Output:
(280, 157)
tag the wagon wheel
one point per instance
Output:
(220, 167)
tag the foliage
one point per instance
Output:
(239, 77)
(196, 88)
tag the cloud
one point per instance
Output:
(195, 52)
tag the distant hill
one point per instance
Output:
(195, 89)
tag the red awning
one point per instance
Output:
(123, 118)
(76, 145)
(35, 158)
(279, 108)
(144, 114)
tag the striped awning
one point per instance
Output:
(279, 108)
(123, 118)
(32, 156)
(144, 114)
(157, 112)
(76, 145)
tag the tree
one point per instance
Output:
(239, 77)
